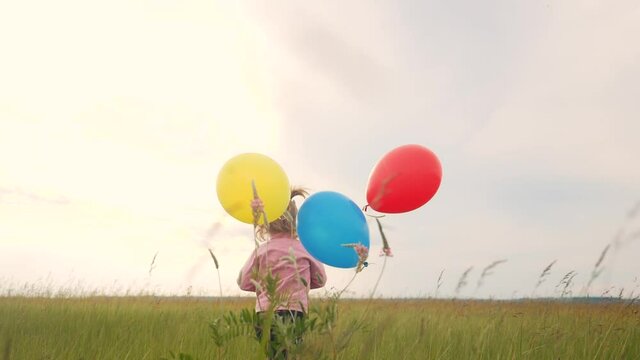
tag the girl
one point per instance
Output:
(284, 258)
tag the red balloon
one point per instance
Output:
(404, 179)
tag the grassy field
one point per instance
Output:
(151, 328)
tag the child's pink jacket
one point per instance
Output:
(273, 254)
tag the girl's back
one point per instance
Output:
(295, 270)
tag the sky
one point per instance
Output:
(115, 118)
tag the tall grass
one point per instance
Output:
(543, 276)
(37, 323)
(487, 271)
(462, 281)
(149, 328)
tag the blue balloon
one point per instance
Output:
(326, 221)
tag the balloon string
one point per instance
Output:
(375, 287)
(347, 286)
(364, 210)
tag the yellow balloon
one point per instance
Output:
(235, 191)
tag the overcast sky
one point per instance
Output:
(115, 118)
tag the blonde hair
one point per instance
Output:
(285, 223)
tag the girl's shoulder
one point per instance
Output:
(280, 242)
(286, 243)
